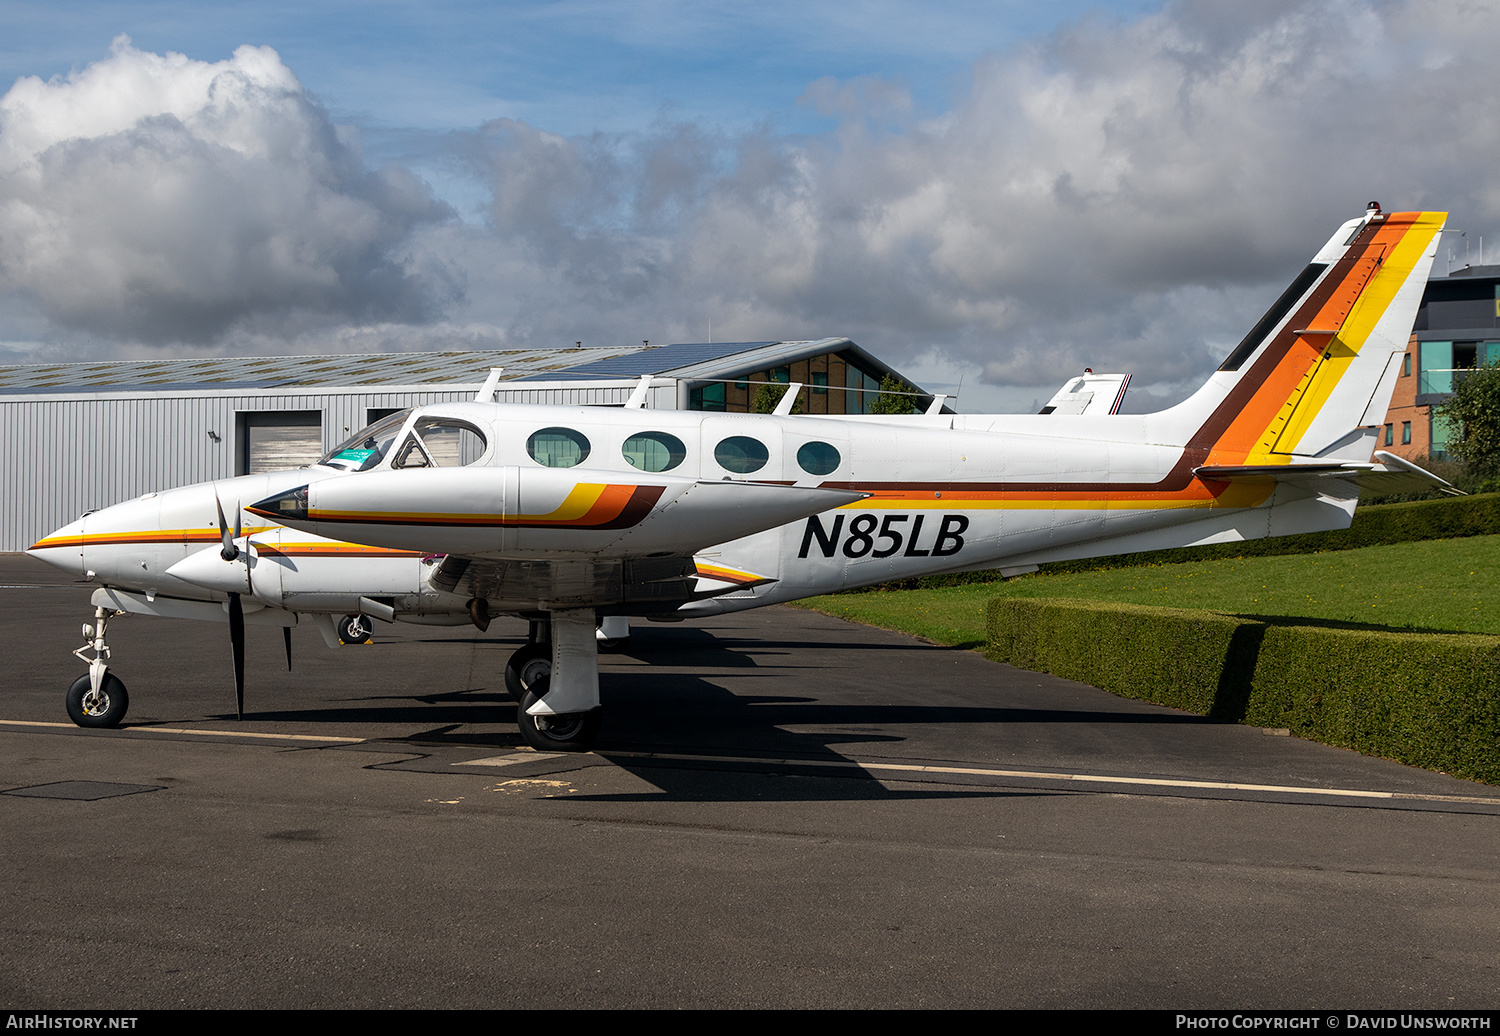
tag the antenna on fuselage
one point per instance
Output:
(788, 400)
(486, 393)
(637, 398)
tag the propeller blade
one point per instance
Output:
(227, 550)
(286, 634)
(237, 645)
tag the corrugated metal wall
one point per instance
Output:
(68, 456)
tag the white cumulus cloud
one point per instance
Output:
(1121, 194)
(162, 199)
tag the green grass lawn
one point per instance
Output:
(1428, 585)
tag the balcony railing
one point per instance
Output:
(1438, 381)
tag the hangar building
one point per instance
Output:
(81, 436)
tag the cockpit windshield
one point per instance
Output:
(366, 448)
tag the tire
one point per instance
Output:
(355, 629)
(569, 732)
(525, 666)
(105, 711)
(615, 645)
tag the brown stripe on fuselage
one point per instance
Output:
(636, 508)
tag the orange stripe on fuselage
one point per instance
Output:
(726, 575)
(107, 539)
(334, 550)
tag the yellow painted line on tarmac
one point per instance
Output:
(186, 730)
(1042, 775)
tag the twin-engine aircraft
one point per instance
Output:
(572, 516)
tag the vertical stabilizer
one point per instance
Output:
(1319, 364)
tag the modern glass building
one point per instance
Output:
(1457, 329)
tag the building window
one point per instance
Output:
(1436, 366)
(1405, 433)
(820, 383)
(1406, 366)
(1390, 432)
(707, 397)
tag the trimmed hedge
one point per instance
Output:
(1426, 699)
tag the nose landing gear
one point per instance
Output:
(98, 698)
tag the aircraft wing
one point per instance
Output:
(1390, 474)
(640, 584)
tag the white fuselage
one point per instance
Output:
(929, 494)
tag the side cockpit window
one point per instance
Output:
(367, 447)
(450, 443)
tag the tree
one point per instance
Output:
(1473, 414)
(889, 402)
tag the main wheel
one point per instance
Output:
(568, 732)
(526, 665)
(355, 629)
(104, 709)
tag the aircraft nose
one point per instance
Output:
(62, 548)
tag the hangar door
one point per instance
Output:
(273, 440)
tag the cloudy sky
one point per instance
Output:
(993, 193)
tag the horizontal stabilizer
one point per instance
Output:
(1390, 474)
(1089, 393)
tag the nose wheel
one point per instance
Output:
(97, 698)
(355, 629)
(102, 708)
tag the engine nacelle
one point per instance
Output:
(506, 511)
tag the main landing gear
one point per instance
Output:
(98, 698)
(557, 684)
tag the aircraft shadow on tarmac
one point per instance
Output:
(678, 705)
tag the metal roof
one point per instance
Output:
(654, 360)
(276, 372)
(686, 360)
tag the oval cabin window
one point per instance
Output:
(741, 454)
(653, 451)
(818, 458)
(558, 447)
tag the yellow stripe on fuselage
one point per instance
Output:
(106, 539)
